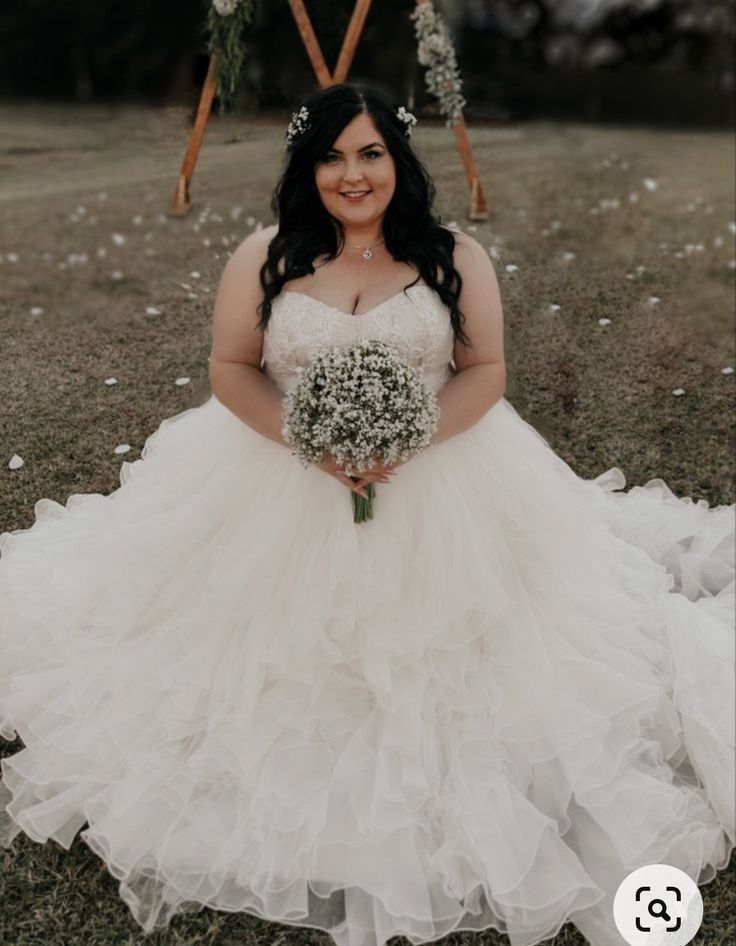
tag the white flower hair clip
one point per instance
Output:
(407, 118)
(298, 124)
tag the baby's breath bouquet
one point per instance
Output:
(364, 405)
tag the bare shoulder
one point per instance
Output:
(480, 302)
(254, 245)
(235, 333)
(467, 247)
(469, 254)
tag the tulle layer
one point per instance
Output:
(482, 708)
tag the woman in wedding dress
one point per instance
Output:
(483, 707)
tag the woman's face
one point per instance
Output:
(357, 161)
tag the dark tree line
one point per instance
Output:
(519, 58)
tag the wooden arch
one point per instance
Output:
(181, 203)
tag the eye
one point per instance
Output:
(373, 154)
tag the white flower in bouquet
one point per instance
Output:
(363, 404)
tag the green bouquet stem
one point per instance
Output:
(363, 508)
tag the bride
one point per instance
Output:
(483, 707)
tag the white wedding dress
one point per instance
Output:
(482, 708)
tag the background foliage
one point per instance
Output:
(659, 61)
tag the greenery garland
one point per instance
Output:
(436, 51)
(226, 22)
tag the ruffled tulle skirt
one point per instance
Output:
(482, 708)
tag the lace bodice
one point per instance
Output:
(417, 323)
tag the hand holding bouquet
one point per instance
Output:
(361, 404)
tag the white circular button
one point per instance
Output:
(658, 905)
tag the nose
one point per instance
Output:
(353, 172)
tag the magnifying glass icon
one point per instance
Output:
(662, 914)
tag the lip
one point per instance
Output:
(355, 200)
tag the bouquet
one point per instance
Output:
(364, 405)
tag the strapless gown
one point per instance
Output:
(482, 708)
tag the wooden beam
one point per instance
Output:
(350, 40)
(180, 202)
(311, 43)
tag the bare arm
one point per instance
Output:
(481, 370)
(237, 344)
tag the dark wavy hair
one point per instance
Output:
(412, 231)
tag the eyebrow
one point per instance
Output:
(364, 148)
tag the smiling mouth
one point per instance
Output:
(354, 193)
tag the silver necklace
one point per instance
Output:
(367, 250)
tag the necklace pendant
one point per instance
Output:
(367, 253)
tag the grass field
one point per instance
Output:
(86, 248)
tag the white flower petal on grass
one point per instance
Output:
(122, 448)
(152, 310)
(36, 310)
(16, 462)
(732, 264)
(137, 220)
(633, 197)
(182, 381)
(732, 226)
(678, 392)
(653, 300)
(191, 295)
(250, 221)
(102, 252)
(640, 269)
(604, 321)
(235, 212)
(568, 255)
(511, 267)
(650, 183)
(12, 257)
(116, 274)
(110, 381)
(718, 241)
(194, 274)
(727, 370)
(206, 242)
(118, 239)
(554, 307)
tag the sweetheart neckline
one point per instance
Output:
(359, 315)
